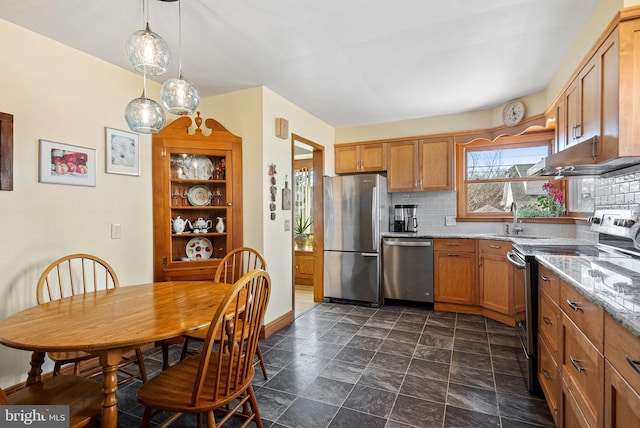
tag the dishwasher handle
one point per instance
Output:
(515, 260)
(407, 243)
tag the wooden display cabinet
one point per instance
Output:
(198, 178)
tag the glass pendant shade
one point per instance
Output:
(144, 115)
(180, 96)
(148, 53)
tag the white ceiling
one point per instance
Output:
(348, 62)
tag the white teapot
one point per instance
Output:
(202, 225)
(179, 224)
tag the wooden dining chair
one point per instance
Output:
(74, 275)
(216, 378)
(233, 266)
(84, 397)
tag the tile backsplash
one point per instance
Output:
(618, 192)
(621, 191)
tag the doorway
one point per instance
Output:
(308, 169)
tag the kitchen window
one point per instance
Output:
(493, 174)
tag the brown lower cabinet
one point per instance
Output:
(473, 276)
(455, 272)
(592, 379)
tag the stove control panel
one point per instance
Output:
(614, 222)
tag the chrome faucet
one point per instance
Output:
(515, 228)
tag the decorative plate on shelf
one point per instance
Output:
(199, 249)
(199, 195)
(199, 167)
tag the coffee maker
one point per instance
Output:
(411, 215)
(405, 218)
(399, 223)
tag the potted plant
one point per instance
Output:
(301, 226)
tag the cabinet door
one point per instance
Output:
(609, 55)
(572, 105)
(347, 159)
(621, 403)
(561, 124)
(402, 168)
(435, 164)
(373, 157)
(588, 125)
(496, 286)
(455, 277)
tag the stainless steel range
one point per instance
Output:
(618, 233)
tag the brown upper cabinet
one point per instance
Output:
(420, 165)
(602, 97)
(365, 157)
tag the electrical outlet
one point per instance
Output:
(450, 220)
(287, 225)
(116, 231)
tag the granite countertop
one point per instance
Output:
(610, 281)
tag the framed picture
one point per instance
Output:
(66, 164)
(122, 152)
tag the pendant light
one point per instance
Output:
(147, 52)
(144, 115)
(179, 96)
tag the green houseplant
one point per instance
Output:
(300, 228)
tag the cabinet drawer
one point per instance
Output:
(619, 345)
(454, 245)
(549, 323)
(549, 377)
(588, 317)
(549, 283)
(583, 371)
(494, 247)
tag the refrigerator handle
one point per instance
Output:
(374, 216)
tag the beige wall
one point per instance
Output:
(60, 94)
(252, 114)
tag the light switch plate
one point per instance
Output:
(116, 231)
(287, 225)
(450, 220)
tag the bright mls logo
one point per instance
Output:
(34, 416)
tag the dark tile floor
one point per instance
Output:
(342, 365)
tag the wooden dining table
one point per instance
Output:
(109, 323)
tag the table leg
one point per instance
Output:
(37, 359)
(109, 361)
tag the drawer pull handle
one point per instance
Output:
(546, 374)
(453, 244)
(547, 321)
(575, 364)
(495, 246)
(633, 363)
(573, 306)
(544, 278)
(453, 254)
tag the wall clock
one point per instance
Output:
(513, 113)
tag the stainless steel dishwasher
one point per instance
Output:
(407, 269)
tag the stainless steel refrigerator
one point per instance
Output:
(356, 210)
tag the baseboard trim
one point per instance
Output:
(277, 324)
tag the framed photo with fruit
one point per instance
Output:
(66, 164)
(122, 152)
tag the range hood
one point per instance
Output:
(579, 160)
